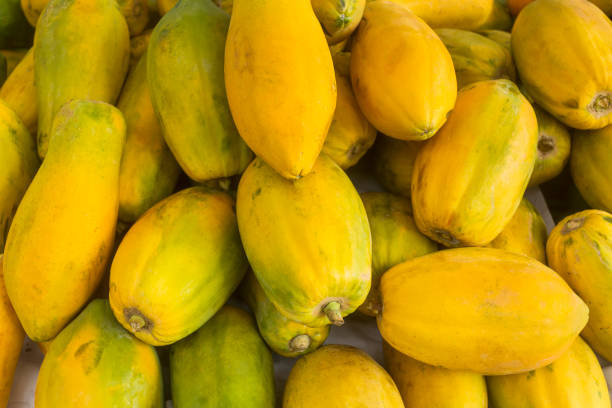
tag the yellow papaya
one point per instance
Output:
(13, 57)
(138, 47)
(483, 158)
(262, 62)
(136, 13)
(573, 380)
(148, 170)
(425, 386)
(401, 99)
(226, 5)
(479, 309)
(338, 18)
(591, 168)
(94, 363)
(500, 37)
(96, 39)
(44, 346)
(395, 239)
(580, 250)
(308, 241)
(164, 6)
(62, 235)
(337, 48)
(394, 163)
(19, 92)
(338, 376)
(517, 5)
(500, 17)
(33, 9)
(177, 265)
(563, 52)
(185, 75)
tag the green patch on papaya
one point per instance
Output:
(608, 219)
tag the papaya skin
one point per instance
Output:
(62, 235)
(138, 47)
(19, 92)
(394, 163)
(13, 57)
(338, 18)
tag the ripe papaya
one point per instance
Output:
(395, 239)
(338, 18)
(563, 52)
(340, 376)
(19, 92)
(479, 309)
(517, 5)
(262, 62)
(580, 250)
(400, 98)
(394, 163)
(93, 362)
(138, 47)
(503, 38)
(425, 386)
(312, 261)
(483, 158)
(284, 336)
(164, 6)
(500, 17)
(177, 265)
(13, 57)
(185, 75)
(62, 235)
(15, 32)
(136, 13)
(148, 170)
(32, 9)
(573, 380)
(223, 364)
(591, 167)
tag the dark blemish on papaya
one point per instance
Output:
(572, 103)
(608, 219)
(256, 193)
(530, 374)
(82, 348)
(568, 242)
(546, 144)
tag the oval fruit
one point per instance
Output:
(466, 15)
(19, 92)
(308, 241)
(503, 38)
(483, 159)
(13, 57)
(479, 309)
(394, 163)
(500, 17)
(136, 13)
(401, 99)
(164, 6)
(138, 47)
(32, 9)
(517, 5)
(340, 376)
(338, 18)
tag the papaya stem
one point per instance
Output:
(601, 105)
(332, 310)
(135, 319)
(445, 237)
(572, 225)
(299, 343)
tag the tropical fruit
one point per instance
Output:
(604, 5)
(338, 18)
(262, 62)
(394, 163)
(480, 162)
(308, 240)
(136, 13)
(164, 6)
(223, 364)
(62, 235)
(517, 5)
(3, 69)
(401, 99)
(479, 309)
(13, 57)
(338, 376)
(19, 93)
(500, 17)
(32, 9)
(138, 46)
(553, 148)
(15, 32)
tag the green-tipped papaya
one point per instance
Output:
(338, 18)
(19, 92)
(394, 163)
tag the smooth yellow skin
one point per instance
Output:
(81, 51)
(563, 52)
(13, 57)
(148, 170)
(19, 165)
(580, 250)
(339, 18)
(19, 92)
(591, 167)
(11, 340)
(138, 47)
(480, 309)
(574, 380)
(425, 386)
(394, 163)
(350, 134)
(308, 241)
(282, 97)
(401, 98)
(469, 179)
(339, 376)
(525, 233)
(33, 9)
(62, 235)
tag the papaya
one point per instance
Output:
(226, 5)
(604, 5)
(483, 158)
(164, 6)
(32, 9)
(395, 239)
(185, 75)
(92, 28)
(401, 99)
(525, 233)
(177, 265)
(15, 32)
(554, 143)
(500, 17)
(261, 64)
(11, 340)
(580, 250)
(475, 57)
(338, 376)
(591, 168)
(13, 57)
(425, 386)
(573, 380)
(484, 310)
(19, 165)
(44, 346)
(517, 5)
(62, 235)
(19, 92)
(284, 336)
(149, 172)
(337, 48)
(503, 38)
(223, 364)
(3, 69)
(138, 47)
(338, 18)
(394, 163)
(93, 362)
(136, 13)
(563, 52)
(308, 241)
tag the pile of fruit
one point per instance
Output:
(158, 158)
